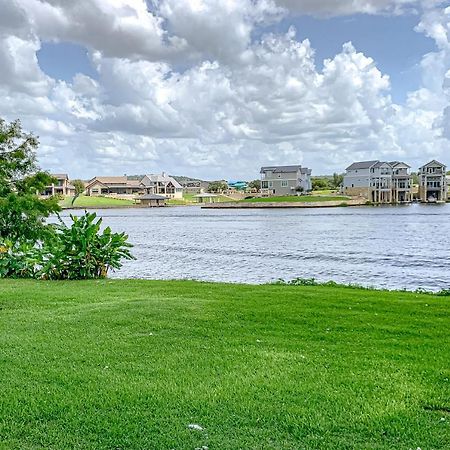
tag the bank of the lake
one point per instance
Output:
(132, 364)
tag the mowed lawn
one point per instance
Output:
(131, 364)
(85, 201)
(302, 198)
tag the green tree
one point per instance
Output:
(255, 184)
(337, 180)
(22, 211)
(217, 186)
(79, 189)
(320, 184)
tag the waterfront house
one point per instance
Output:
(62, 186)
(402, 189)
(285, 180)
(433, 183)
(162, 185)
(113, 186)
(379, 181)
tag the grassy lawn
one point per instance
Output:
(303, 198)
(189, 199)
(85, 201)
(131, 364)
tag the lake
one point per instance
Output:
(385, 247)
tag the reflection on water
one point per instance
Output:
(394, 247)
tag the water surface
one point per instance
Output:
(392, 247)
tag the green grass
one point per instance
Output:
(302, 198)
(189, 199)
(130, 364)
(85, 201)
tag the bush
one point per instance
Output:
(81, 251)
(18, 260)
(78, 252)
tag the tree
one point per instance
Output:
(337, 180)
(79, 189)
(255, 184)
(217, 186)
(22, 212)
(320, 184)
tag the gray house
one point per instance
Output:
(162, 185)
(378, 181)
(432, 182)
(285, 180)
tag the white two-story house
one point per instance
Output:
(285, 180)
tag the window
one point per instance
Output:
(270, 184)
(264, 185)
(284, 183)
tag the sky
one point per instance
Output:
(218, 88)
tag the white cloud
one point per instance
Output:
(230, 104)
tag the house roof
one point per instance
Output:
(399, 163)
(432, 163)
(151, 197)
(281, 169)
(362, 165)
(161, 178)
(60, 176)
(112, 182)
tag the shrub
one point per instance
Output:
(18, 260)
(83, 251)
(79, 251)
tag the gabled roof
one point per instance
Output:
(149, 180)
(362, 165)
(111, 182)
(151, 197)
(281, 169)
(395, 164)
(60, 176)
(432, 163)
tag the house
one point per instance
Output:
(285, 180)
(195, 186)
(433, 183)
(379, 181)
(61, 187)
(162, 185)
(402, 183)
(115, 186)
(151, 200)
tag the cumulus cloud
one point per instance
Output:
(185, 87)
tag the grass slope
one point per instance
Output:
(85, 201)
(303, 198)
(130, 364)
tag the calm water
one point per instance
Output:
(394, 247)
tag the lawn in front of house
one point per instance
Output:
(85, 201)
(134, 364)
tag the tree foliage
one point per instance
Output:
(29, 246)
(255, 184)
(217, 186)
(22, 212)
(79, 189)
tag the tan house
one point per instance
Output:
(61, 187)
(113, 186)
(162, 185)
(433, 186)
